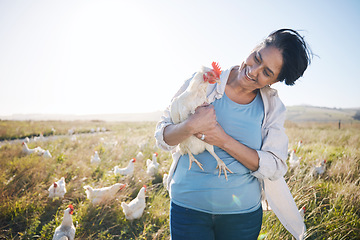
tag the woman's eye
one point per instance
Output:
(266, 73)
(256, 59)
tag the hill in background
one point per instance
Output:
(320, 114)
(293, 113)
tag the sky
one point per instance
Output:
(117, 56)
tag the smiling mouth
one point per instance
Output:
(247, 76)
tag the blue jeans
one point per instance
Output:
(188, 224)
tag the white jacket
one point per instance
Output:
(272, 156)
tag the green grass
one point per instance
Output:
(332, 201)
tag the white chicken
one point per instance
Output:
(127, 171)
(320, 168)
(27, 150)
(299, 145)
(57, 189)
(186, 103)
(302, 212)
(140, 156)
(66, 231)
(40, 151)
(165, 179)
(47, 154)
(135, 208)
(294, 160)
(39, 138)
(95, 159)
(71, 131)
(152, 165)
(104, 194)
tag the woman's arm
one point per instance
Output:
(273, 152)
(245, 155)
(201, 121)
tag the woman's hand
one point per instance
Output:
(204, 118)
(214, 136)
(204, 121)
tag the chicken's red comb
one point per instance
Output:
(71, 209)
(216, 68)
(156, 154)
(144, 187)
(133, 159)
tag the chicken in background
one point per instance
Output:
(71, 131)
(152, 165)
(38, 150)
(186, 103)
(27, 150)
(320, 168)
(95, 159)
(135, 208)
(104, 194)
(140, 156)
(165, 179)
(302, 212)
(294, 160)
(66, 231)
(299, 145)
(57, 189)
(126, 171)
(47, 154)
(39, 138)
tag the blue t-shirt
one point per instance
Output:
(204, 190)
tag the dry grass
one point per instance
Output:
(332, 201)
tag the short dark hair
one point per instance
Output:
(295, 52)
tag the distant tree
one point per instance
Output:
(357, 115)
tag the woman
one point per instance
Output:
(245, 124)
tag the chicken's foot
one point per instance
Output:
(220, 164)
(192, 159)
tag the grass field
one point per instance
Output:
(332, 200)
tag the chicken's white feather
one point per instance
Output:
(182, 107)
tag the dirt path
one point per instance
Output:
(48, 138)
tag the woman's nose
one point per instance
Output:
(253, 70)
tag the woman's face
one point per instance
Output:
(262, 67)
